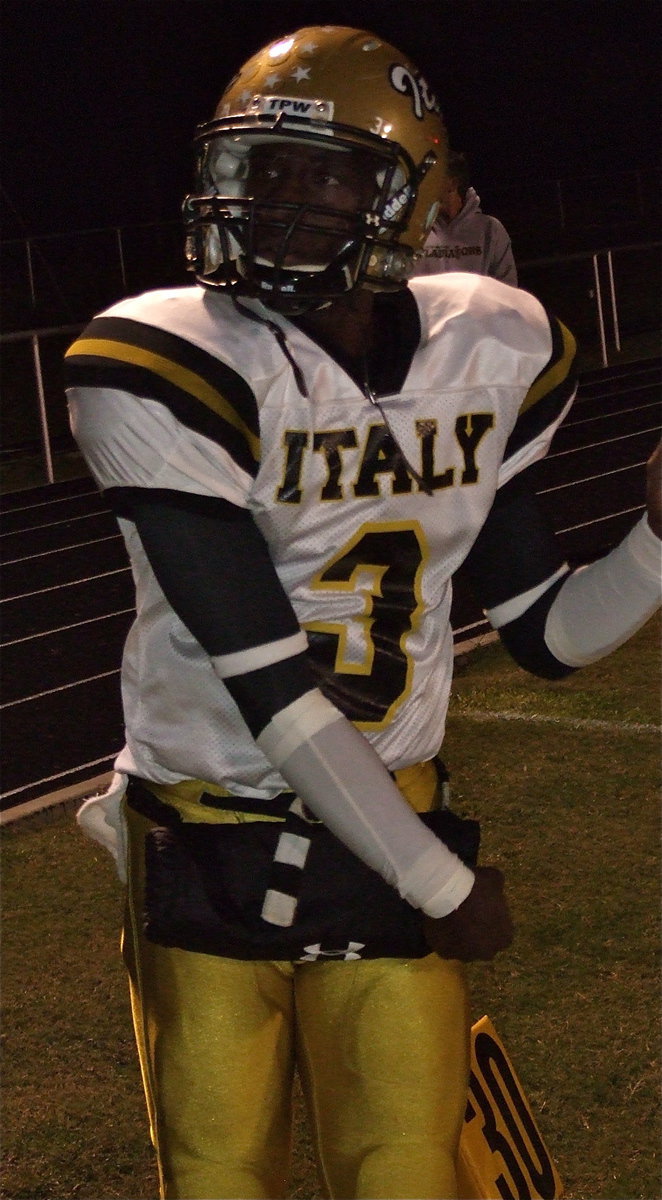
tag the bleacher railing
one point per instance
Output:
(610, 298)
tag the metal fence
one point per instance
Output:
(534, 209)
(610, 299)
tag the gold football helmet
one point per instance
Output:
(323, 88)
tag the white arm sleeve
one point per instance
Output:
(335, 771)
(601, 605)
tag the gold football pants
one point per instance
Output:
(381, 1047)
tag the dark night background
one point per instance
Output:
(101, 98)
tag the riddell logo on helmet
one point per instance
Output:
(414, 85)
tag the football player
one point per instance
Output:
(301, 449)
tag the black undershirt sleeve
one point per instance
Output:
(214, 568)
(517, 550)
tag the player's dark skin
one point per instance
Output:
(344, 182)
(482, 925)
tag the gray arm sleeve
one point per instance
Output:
(334, 770)
(601, 605)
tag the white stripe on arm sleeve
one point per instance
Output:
(335, 771)
(256, 658)
(510, 610)
(601, 605)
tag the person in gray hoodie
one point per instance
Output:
(463, 238)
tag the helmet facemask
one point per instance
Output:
(245, 233)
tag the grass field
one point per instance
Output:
(566, 780)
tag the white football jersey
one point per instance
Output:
(176, 389)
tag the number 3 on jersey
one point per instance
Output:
(363, 662)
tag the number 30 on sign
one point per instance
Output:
(502, 1155)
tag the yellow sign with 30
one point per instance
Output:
(502, 1153)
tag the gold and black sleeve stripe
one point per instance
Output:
(202, 392)
(550, 391)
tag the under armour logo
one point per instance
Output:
(313, 953)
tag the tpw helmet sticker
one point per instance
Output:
(291, 106)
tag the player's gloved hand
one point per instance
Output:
(101, 819)
(480, 927)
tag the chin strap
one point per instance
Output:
(415, 475)
(279, 335)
